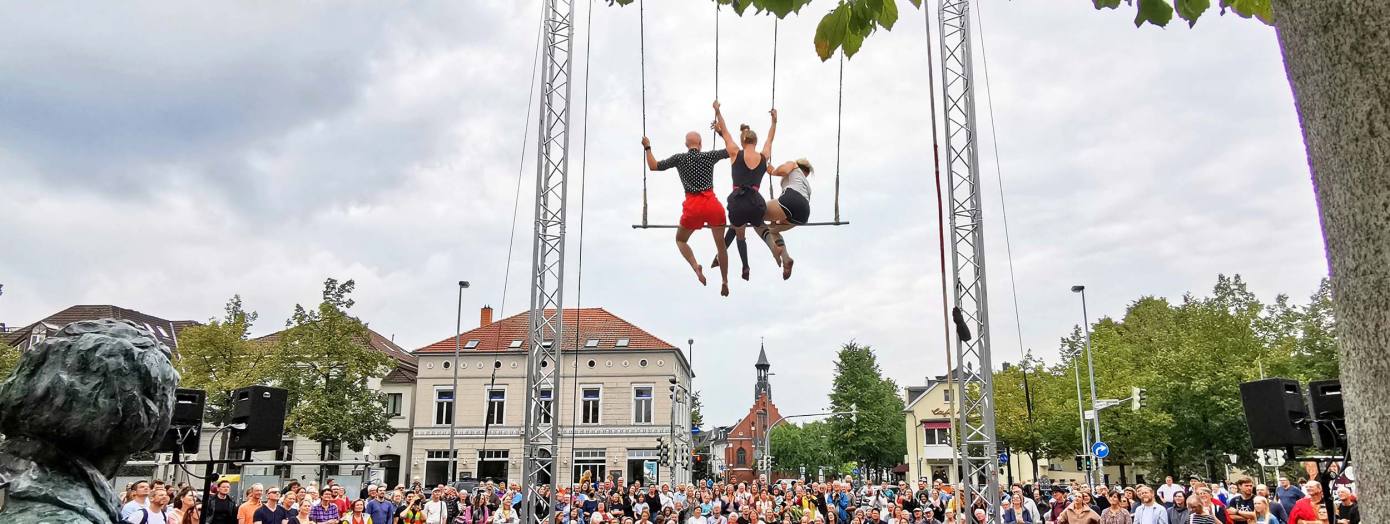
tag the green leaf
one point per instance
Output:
(1156, 12)
(741, 5)
(1107, 4)
(830, 32)
(916, 3)
(889, 15)
(853, 41)
(1190, 10)
(1260, 9)
(780, 8)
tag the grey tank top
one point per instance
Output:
(797, 180)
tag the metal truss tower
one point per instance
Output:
(975, 445)
(546, 331)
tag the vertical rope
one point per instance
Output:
(714, 135)
(839, 122)
(642, 53)
(774, 91)
(579, 299)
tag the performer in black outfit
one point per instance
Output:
(745, 205)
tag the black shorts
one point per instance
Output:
(796, 207)
(746, 207)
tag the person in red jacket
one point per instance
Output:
(1305, 511)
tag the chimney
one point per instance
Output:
(485, 316)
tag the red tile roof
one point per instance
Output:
(594, 323)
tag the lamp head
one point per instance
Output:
(463, 284)
(1078, 288)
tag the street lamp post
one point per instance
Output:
(1095, 409)
(1080, 407)
(453, 404)
(690, 360)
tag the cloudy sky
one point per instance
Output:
(166, 156)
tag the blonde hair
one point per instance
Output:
(805, 166)
(747, 135)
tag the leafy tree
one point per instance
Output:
(696, 417)
(219, 358)
(9, 358)
(875, 437)
(326, 364)
(809, 447)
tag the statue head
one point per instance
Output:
(97, 389)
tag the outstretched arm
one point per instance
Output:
(651, 160)
(771, 133)
(723, 130)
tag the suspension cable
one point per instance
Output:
(839, 121)
(998, 175)
(714, 134)
(940, 229)
(775, 22)
(579, 292)
(520, 168)
(642, 53)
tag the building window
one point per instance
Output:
(443, 406)
(492, 464)
(37, 336)
(496, 406)
(546, 398)
(946, 394)
(938, 437)
(591, 343)
(515, 344)
(393, 404)
(621, 343)
(642, 405)
(741, 457)
(591, 405)
(284, 453)
(471, 344)
(437, 466)
(330, 450)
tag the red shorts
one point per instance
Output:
(701, 209)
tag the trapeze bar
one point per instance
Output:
(669, 226)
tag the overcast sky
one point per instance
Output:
(166, 156)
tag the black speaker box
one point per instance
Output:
(262, 409)
(186, 423)
(1325, 399)
(1275, 413)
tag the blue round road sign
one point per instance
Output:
(1100, 450)
(1003, 458)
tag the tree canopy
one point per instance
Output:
(875, 436)
(850, 22)
(219, 358)
(1189, 357)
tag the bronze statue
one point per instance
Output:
(78, 404)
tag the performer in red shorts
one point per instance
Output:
(701, 207)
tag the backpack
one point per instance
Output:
(145, 518)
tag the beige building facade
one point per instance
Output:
(616, 400)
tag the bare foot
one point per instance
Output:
(724, 291)
(745, 272)
(700, 273)
(786, 268)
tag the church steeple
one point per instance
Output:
(762, 387)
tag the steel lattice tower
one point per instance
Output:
(546, 331)
(975, 444)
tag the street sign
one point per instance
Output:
(694, 430)
(1100, 450)
(1003, 459)
(856, 472)
(1089, 414)
(1270, 458)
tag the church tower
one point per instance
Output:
(762, 386)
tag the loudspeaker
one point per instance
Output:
(1325, 399)
(262, 409)
(186, 423)
(1275, 413)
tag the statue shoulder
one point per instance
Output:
(26, 511)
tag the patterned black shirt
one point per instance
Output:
(696, 168)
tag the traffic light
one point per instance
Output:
(1136, 398)
(1083, 462)
(663, 450)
